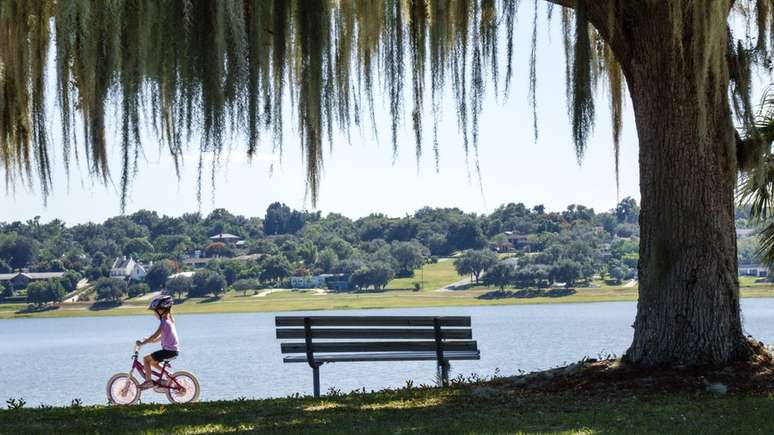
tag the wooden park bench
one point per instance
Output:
(328, 339)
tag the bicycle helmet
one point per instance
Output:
(163, 301)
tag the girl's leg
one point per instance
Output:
(149, 364)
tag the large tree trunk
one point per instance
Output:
(688, 310)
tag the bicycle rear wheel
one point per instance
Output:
(123, 389)
(190, 391)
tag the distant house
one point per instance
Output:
(339, 281)
(228, 239)
(501, 244)
(198, 262)
(128, 269)
(307, 281)
(22, 279)
(757, 270)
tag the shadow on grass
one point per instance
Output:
(528, 293)
(37, 309)
(245, 295)
(468, 286)
(484, 409)
(209, 300)
(104, 305)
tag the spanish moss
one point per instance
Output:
(198, 75)
(532, 95)
(582, 101)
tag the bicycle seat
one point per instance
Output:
(166, 360)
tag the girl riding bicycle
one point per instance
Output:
(166, 333)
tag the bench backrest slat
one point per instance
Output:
(324, 339)
(453, 321)
(375, 333)
(379, 346)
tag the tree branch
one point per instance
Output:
(566, 3)
(598, 13)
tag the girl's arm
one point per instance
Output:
(152, 339)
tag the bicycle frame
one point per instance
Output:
(137, 365)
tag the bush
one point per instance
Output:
(207, 282)
(42, 292)
(179, 285)
(475, 262)
(377, 275)
(274, 268)
(158, 274)
(138, 289)
(70, 280)
(6, 291)
(95, 273)
(110, 289)
(499, 275)
(230, 269)
(243, 285)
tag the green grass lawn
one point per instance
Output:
(442, 273)
(418, 411)
(753, 281)
(431, 276)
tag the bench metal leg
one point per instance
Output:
(316, 380)
(443, 372)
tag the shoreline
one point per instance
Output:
(313, 300)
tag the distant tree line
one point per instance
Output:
(564, 246)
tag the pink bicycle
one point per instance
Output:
(180, 387)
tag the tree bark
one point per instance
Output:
(688, 311)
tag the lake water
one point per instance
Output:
(52, 361)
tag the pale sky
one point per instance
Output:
(361, 178)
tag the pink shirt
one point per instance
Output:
(169, 339)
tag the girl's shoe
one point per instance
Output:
(145, 385)
(161, 387)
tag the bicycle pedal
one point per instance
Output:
(160, 389)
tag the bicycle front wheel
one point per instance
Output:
(123, 389)
(187, 392)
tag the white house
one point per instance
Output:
(758, 270)
(307, 281)
(127, 268)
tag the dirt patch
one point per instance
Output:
(614, 378)
(264, 293)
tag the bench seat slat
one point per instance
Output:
(384, 356)
(375, 333)
(379, 346)
(459, 321)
